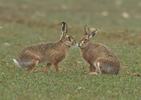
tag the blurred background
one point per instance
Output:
(105, 14)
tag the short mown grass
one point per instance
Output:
(27, 22)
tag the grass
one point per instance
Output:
(27, 22)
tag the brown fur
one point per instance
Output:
(95, 54)
(48, 53)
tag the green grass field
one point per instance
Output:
(27, 22)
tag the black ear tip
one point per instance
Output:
(63, 23)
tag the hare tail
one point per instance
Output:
(18, 63)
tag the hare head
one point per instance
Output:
(65, 38)
(86, 38)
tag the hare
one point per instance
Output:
(47, 53)
(100, 58)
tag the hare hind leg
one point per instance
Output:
(34, 60)
(106, 66)
(32, 55)
(34, 63)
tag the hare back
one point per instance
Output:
(41, 47)
(93, 51)
(102, 50)
(46, 53)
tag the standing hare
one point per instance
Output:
(100, 58)
(48, 53)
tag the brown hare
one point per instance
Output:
(100, 58)
(48, 53)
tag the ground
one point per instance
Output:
(27, 22)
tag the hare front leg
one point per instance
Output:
(56, 67)
(47, 67)
(92, 68)
(97, 65)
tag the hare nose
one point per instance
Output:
(77, 44)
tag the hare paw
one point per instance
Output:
(93, 73)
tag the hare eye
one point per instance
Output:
(69, 38)
(83, 42)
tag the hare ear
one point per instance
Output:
(63, 28)
(86, 29)
(93, 33)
